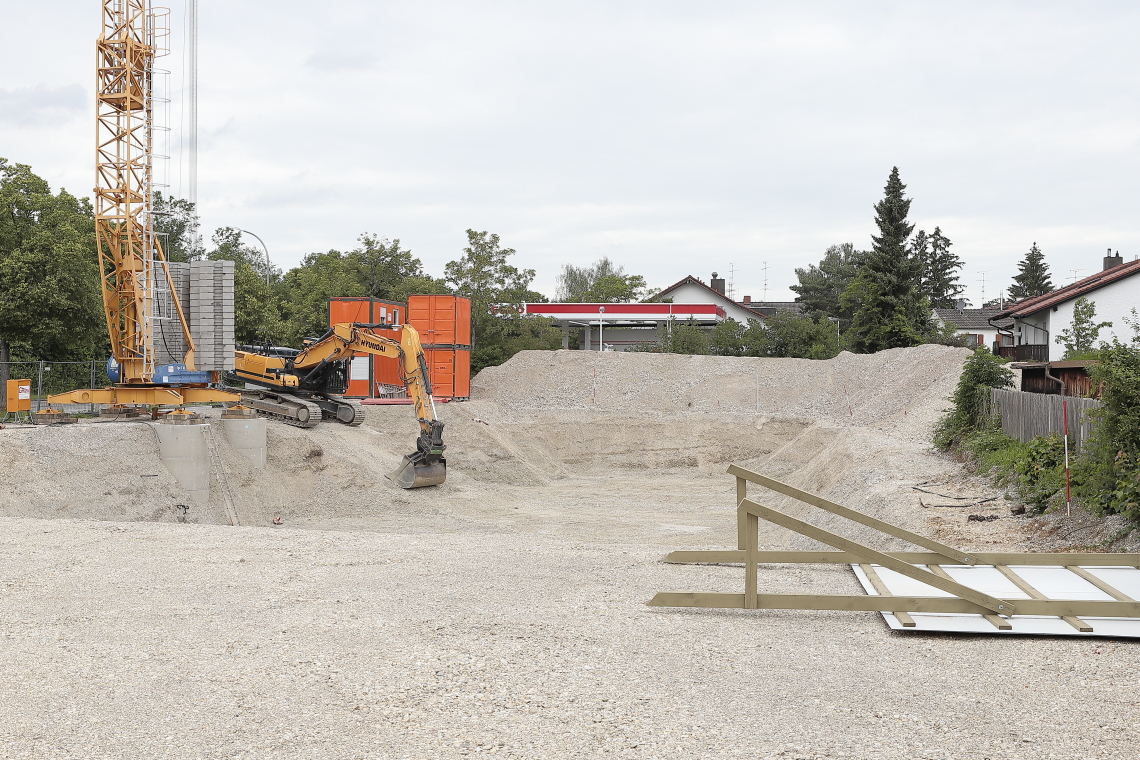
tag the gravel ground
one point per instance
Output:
(504, 611)
(184, 641)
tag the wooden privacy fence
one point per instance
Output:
(1026, 415)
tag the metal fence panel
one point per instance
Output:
(57, 377)
(1027, 415)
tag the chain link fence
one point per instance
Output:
(49, 377)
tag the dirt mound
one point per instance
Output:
(603, 435)
(904, 385)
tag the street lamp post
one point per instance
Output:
(838, 337)
(264, 248)
(601, 311)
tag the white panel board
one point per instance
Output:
(1053, 582)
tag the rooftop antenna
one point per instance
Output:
(983, 280)
(765, 268)
(1074, 271)
(731, 281)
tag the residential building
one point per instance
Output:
(975, 325)
(1037, 321)
(693, 290)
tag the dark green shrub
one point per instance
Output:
(971, 410)
(1041, 471)
(1107, 474)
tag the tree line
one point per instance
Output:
(50, 303)
(862, 301)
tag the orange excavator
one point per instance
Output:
(302, 387)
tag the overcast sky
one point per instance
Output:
(675, 138)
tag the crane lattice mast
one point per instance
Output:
(137, 288)
(135, 280)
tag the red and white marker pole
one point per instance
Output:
(1065, 427)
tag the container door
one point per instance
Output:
(441, 369)
(358, 371)
(463, 373)
(462, 321)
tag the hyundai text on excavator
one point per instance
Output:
(302, 387)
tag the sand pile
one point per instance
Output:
(605, 436)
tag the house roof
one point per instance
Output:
(972, 319)
(1076, 290)
(690, 280)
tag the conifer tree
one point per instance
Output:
(890, 311)
(940, 277)
(1033, 278)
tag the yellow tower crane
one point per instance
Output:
(136, 284)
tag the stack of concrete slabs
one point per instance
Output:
(1052, 581)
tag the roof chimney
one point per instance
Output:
(718, 284)
(747, 299)
(1111, 261)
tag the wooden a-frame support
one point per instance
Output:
(964, 599)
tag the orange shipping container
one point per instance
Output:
(441, 320)
(366, 370)
(450, 372)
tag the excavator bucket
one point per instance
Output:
(412, 474)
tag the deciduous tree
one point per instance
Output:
(176, 225)
(257, 306)
(497, 291)
(49, 278)
(821, 287)
(1079, 338)
(380, 265)
(602, 282)
(308, 288)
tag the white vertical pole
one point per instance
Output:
(601, 311)
(192, 96)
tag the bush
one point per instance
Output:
(971, 411)
(1041, 471)
(995, 453)
(1108, 471)
(1035, 471)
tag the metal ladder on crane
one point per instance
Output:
(220, 474)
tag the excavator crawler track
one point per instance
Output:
(345, 407)
(291, 410)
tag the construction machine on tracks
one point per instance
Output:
(302, 387)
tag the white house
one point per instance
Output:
(1039, 320)
(975, 325)
(692, 290)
